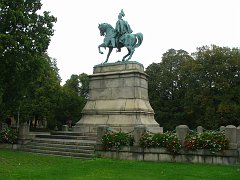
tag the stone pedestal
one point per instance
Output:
(24, 135)
(65, 128)
(182, 132)
(231, 135)
(138, 132)
(118, 98)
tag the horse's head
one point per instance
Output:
(102, 29)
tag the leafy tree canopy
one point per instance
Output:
(198, 89)
(24, 38)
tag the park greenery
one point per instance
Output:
(198, 89)
(29, 78)
(22, 165)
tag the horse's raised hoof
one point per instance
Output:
(101, 52)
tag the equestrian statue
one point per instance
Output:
(119, 37)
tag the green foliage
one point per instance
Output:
(24, 38)
(116, 140)
(72, 98)
(78, 84)
(159, 139)
(166, 140)
(211, 140)
(172, 143)
(218, 86)
(72, 84)
(198, 89)
(166, 87)
(146, 141)
(69, 107)
(8, 135)
(42, 94)
(29, 78)
(214, 141)
(191, 142)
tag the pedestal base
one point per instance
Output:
(118, 98)
(117, 122)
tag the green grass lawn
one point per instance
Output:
(21, 165)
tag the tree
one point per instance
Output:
(72, 84)
(78, 84)
(73, 98)
(218, 77)
(24, 37)
(84, 85)
(166, 88)
(201, 89)
(43, 94)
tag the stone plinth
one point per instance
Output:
(118, 97)
(24, 136)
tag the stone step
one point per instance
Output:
(66, 137)
(75, 157)
(69, 133)
(60, 153)
(63, 144)
(64, 141)
(78, 146)
(62, 149)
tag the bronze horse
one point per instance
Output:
(130, 41)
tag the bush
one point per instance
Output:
(8, 135)
(167, 140)
(146, 141)
(116, 140)
(191, 142)
(159, 140)
(213, 141)
(172, 143)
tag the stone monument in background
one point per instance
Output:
(118, 92)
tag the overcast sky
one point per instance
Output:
(165, 24)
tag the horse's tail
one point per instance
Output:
(139, 39)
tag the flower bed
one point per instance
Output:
(209, 140)
(166, 140)
(213, 141)
(8, 135)
(116, 140)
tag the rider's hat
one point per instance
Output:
(122, 13)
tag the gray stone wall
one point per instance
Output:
(227, 157)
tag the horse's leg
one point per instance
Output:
(109, 52)
(129, 52)
(132, 42)
(101, 45)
